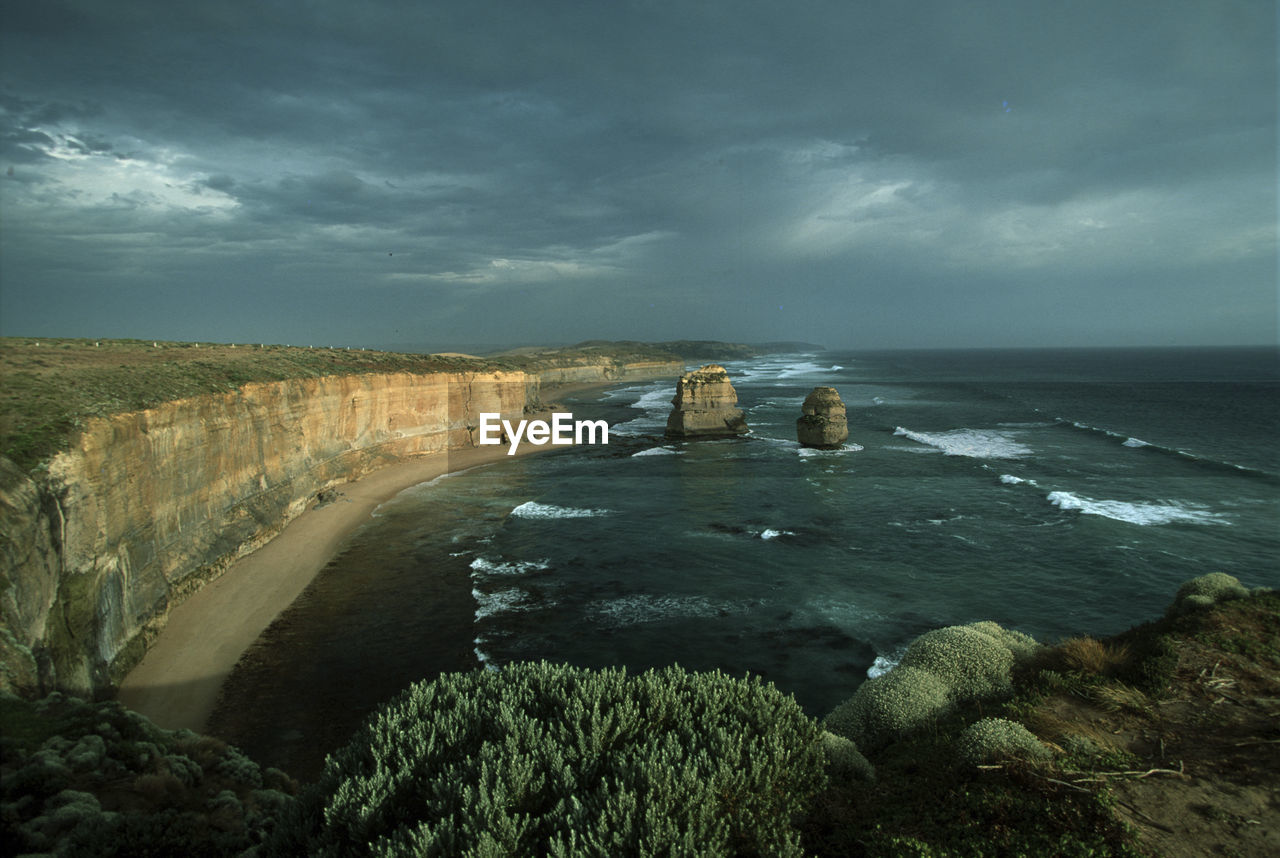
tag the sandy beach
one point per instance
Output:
(177, 682)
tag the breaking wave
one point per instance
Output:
(973, 443)
(1142, 513)
(533, 509)
(484, 566)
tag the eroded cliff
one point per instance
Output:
(100, 542)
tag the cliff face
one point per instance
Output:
(148, 505)
(588, 372)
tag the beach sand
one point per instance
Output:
(177, 682)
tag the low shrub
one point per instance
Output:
(845, 762)
(1023, 646)
(1207, 590)
(555, 760)
(82, 778)
(995, 739)
(885, 708)
(940, 669)
(973, 665)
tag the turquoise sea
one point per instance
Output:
(1056, 492)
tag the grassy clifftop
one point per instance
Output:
(49, 387)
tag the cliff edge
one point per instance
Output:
(134, 510)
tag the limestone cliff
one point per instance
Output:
(705, 406)
(593, 371)
(823, 422)
(97, 544)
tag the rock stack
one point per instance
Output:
(705, 406)
(823, 423)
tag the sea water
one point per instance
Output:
(1055, 492)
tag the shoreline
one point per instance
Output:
(178, 682)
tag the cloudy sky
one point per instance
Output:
(859, 174)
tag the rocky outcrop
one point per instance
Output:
(823, 422)
(705, 406)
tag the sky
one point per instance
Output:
(449, 174)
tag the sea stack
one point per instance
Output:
(705, 406)
(823, 423)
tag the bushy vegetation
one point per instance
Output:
(973, 665)
(79, 778)
(542, 759)
(889, 706)
(844, 761)
(1207, 590)
(940, 669)
(993, 739)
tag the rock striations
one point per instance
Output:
(823, 422)
(705, 406)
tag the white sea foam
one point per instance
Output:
(484, 566)
(533, 509)
(658, 451)
(836, 367)
(770, 533)
(808, 452)
(1135, 442)
(974, 443)
(653, 400)
(1166, 512)
(499, 602)
(800, 368)
(1011, 480)
(637, 609)
(881, 666)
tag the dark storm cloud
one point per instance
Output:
(990, 173)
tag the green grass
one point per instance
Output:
(52, 387)
(49, 388)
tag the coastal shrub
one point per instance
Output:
(1023, 646)
(892, 704)
(184, 769)
(83, 778)
(1207, 590)
(994, 739)
(940, 668)
(972, 665)
(845, 762)
(555, 760)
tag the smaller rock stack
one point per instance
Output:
(705, 406)
(823, 423)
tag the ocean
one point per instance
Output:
(1057, 492)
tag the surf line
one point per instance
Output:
(562, 429)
